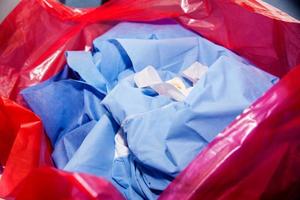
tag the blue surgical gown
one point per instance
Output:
(95, 100)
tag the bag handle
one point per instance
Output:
(116, 10)
(135, 10)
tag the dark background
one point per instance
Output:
(292, 7)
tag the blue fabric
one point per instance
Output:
(83, 4)
(94, 100)
(96, 153)
(68, 145)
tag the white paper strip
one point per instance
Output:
(121, 148)
(168, 90)
(195, 72)
(147, 77)
(173, 88)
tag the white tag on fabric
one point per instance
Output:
(169, 90)
(173, 88)
(178, 83)
(121, 148)
(195, 72)
(147, 77)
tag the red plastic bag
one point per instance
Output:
(257, 156)
(23, 145)
(61, 185)
(35, 35)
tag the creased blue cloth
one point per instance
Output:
(100, 122)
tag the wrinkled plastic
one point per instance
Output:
(83, 131)
(49, 184)
(39, 40)
(23, 145)
(259, 160)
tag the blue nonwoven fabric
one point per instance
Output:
(68, 144)
(163, 29)
(166, 138)
(95, 154)
(69, 108)
(129, 47)
(95, 99)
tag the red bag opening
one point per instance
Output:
(263, 143)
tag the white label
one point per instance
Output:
(147, 77)
(173, 88)
(195, 72)
(121, 149)
(167, 89)
(177, 82)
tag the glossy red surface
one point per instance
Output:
(256, 157)
(23, 145)
(57, 184)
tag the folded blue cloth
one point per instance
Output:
(100, 122)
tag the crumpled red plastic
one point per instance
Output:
(23, 145)
(57, 184)
(35, 35)
(256, 157)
